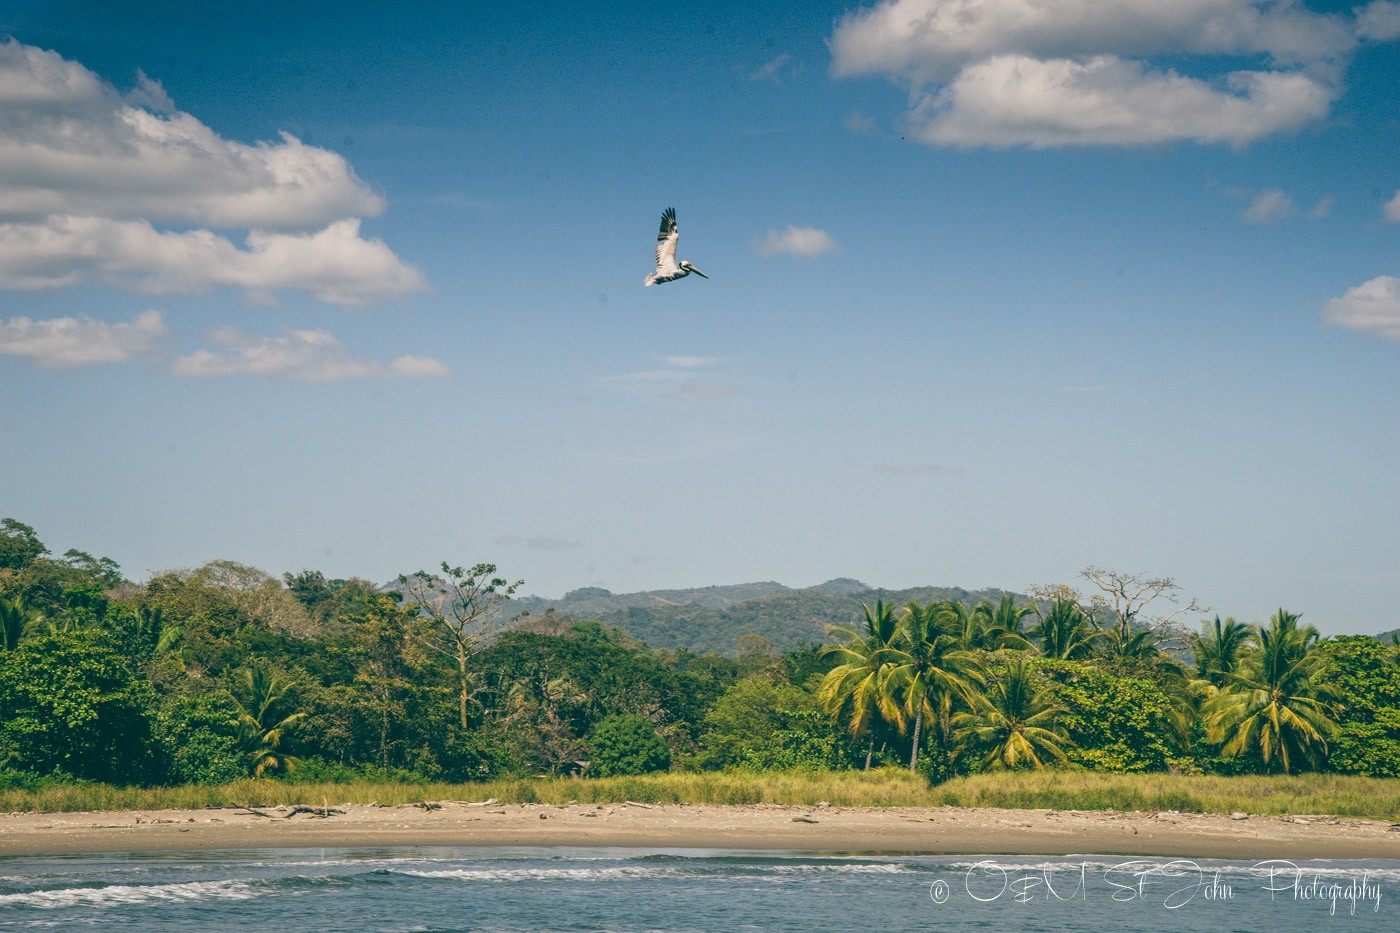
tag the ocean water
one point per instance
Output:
(515, 890)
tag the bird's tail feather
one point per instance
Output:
(649, 280)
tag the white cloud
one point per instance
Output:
(1392, 208)
(69, 342)
(1370, 308)
(72, 145)
(334, 265)
(802, 242)
(302, 355)
(1323, 208)
(1079, 72)
(1014, 100)
(87, 175)
(1269, 207)
(1378, 21)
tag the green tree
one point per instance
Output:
(458, 610)
(1116, 721)
(857, 688)
(1363, 676)
(19, 545)
(264, 726)
(1004, 623)
(928, 674)
(14, 621)
(71, 705)
(758, 723)
(1065, 632)
(1013, 721)
(1218, 648)
(199, 738)
(1274, 704)
(626, 745)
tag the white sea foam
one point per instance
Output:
(653, 871)
(129, 894)
(1262, 868)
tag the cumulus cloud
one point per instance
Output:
(1392, 208)
(1080, 72)
(72, 145)
(334, 265)
(1014, 100)
(1370, 308)
(917, 469)
(302, 355)
(1379, 21)
(1269, 207)
(70, 342)
(87, 174)
(801, 242)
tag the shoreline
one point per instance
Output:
(772, 827)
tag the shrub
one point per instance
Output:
(626, 745)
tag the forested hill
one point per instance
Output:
(713, 618)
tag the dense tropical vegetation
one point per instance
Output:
(224, 673)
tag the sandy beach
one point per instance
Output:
(945, 830)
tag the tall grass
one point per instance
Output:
(1061, 790)
(1333, 794)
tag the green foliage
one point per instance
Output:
(626, 745)
(1275, 704)
(1012, 725)
(1117, 723)
(199, 741)
(320, 771)
(1363, 676)
(19, 545)
(761, 724)
(71, 706)
(265, 719)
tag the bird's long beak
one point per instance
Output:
(698, 272)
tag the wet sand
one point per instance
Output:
(944, 830)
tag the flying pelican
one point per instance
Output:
(667, 269)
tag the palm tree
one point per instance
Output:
(928, 671)
(261, 727)
(14, 619)
(1004, 623)
(1016, 720)
(853, 688)
(1272, 703)
(1065, 633)
(1218, 647)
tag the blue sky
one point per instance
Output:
(998, 290)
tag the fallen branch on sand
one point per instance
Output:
(320, 813)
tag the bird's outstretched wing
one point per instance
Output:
(666, 244)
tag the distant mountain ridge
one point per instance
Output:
(712, 618)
